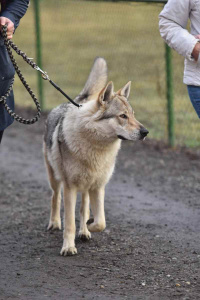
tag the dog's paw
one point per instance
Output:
(84, 235)
(68, 251)
(95, 227)
(54, 225)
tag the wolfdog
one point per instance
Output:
(80, 148)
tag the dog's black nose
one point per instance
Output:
(143, 132)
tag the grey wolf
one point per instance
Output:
(80, 149)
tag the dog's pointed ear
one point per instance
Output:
(125, 91)
(107, 93)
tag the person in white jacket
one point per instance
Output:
(173, 21)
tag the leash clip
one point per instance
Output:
(45, 76)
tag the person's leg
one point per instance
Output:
(194, 94)
(1, 134)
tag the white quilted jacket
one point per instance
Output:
(172, 23)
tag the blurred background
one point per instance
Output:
(126, 34)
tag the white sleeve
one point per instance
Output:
(172, 23)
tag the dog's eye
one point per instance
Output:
(123, 116)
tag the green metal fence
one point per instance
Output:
(72, 33)
(39, 50)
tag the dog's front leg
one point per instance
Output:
(97, 205)
(69, 195)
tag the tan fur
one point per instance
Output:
(55, 222)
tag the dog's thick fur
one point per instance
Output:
(80, 148)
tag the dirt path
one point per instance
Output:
(149, 250)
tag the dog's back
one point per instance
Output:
(54, 117)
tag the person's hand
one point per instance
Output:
(10, 28)
(196, 51)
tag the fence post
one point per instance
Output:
(169, 87)
(38, 50)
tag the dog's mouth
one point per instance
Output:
(122, 138)
(142, 138)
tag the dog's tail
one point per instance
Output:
(96, 80)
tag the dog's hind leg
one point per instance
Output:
(97, 205)
(84, 234)
(69, 195)
(54, 221)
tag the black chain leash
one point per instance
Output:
(9, 44)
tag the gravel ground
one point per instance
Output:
(149, 250)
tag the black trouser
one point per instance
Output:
(1, 134)
(6, 74)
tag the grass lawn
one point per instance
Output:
(127, 36)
